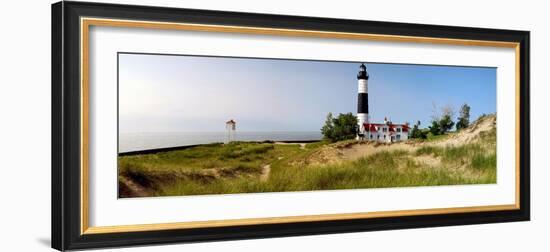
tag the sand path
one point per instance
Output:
(266, 169)
(302, 145)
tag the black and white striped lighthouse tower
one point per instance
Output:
(362, 99)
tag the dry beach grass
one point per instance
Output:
(465, 157)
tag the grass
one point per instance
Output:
(229, 156)
(237, 168)
(202, 169)
(383, 169)
(431, 137)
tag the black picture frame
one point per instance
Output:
(66, 124)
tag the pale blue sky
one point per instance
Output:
(166, 93)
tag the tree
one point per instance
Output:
(435, 129)
(442, 120)
(328, 129)
(464, 118)
(416, 132)
(446, 123)
(340, 128)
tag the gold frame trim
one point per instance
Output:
(85, 24)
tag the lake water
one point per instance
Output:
(146, 141)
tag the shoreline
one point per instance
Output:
(174, 148)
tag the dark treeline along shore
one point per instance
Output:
(467, 156)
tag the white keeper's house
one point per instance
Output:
(382, 132)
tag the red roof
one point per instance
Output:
(372, 126)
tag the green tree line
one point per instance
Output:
(344, 126)
(442, 122)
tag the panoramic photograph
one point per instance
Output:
(202, 125)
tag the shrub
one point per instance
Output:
(340, 128)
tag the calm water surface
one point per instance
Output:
(146, 141)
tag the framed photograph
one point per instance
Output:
(179, 125)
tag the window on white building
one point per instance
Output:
(398, 129)
(384, 129)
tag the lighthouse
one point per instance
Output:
(362, 100)
(388, 131)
